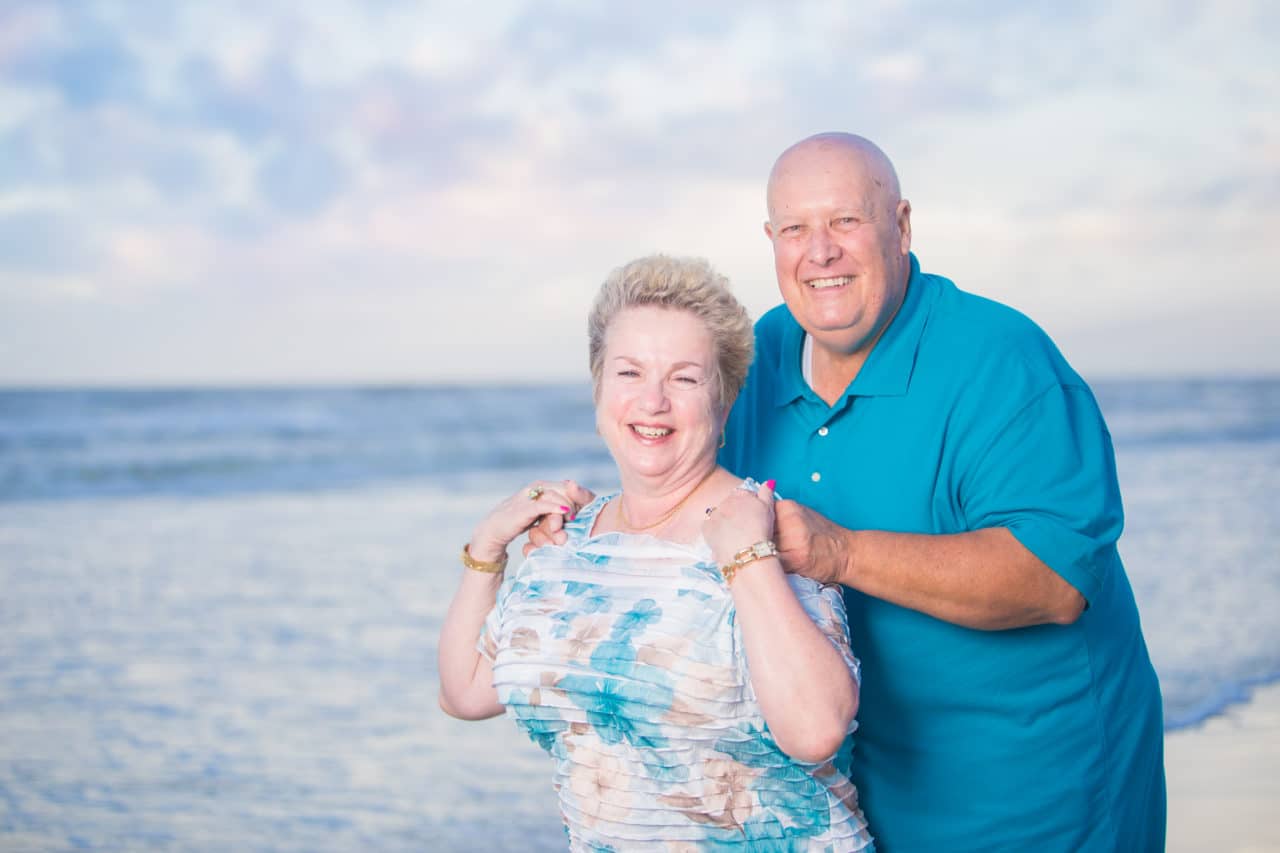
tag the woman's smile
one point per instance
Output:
(651, 433)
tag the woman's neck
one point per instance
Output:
(648, 507)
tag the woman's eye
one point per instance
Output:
(628, 372)
(687, 380)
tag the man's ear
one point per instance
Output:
(904, 225)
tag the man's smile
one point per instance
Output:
(825, 283)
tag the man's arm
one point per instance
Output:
(983, 579)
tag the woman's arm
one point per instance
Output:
(806, 692)
(466, 676)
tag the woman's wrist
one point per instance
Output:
(759, 551)
(487, 550)
(727, 552)
(484, 546)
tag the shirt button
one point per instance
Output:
(822, 430)
(815, 476)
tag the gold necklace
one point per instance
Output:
(622, 512)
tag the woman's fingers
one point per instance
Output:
(578, 495)
(539, 508)
(562, 496)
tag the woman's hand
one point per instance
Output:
(551, 529)
(516, 514)
(739, 521)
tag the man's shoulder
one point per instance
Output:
(972, 330)
(971, 313)
(774, 322)
(772, 330)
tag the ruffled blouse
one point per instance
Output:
(620, 655)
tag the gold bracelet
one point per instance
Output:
(760, 550)
(494, 568)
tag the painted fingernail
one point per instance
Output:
(771, 484)
(564, 509)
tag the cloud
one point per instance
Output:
(423, 160)
(301, 179)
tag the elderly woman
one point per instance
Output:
(691, 694)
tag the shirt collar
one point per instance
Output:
(887, 371)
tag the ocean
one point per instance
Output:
(219, 607)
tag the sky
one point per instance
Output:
(384, 191)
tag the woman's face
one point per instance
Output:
(657, 408)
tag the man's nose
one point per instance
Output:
(822, 249)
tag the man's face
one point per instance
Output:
(840, 246)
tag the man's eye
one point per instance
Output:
(791, 229)
(847, 220)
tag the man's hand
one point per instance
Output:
(811, 544)
(983, 579)
(549, 529)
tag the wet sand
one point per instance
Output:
(1224, 780)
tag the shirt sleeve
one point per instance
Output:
(1048, 475)
(825, 606)
(487, 642)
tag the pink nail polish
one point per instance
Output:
(771, 484)
(564, 509)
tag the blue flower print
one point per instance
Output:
(537, 590)
(594, 597)
(643, 613)
(561, 622)
(616, 657)
(620, 710)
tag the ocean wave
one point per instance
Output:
(99, 443)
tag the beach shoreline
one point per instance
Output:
(1223, 777)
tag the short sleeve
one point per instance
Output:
(487, 643)
(1048, 475)
(825, 606)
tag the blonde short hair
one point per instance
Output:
(681, 284)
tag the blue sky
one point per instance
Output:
(396, 191)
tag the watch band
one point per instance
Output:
(758, 551)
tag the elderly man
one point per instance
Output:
(949, 469)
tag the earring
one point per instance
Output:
(722, 438)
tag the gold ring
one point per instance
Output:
(535, 492)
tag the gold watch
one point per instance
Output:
(760, 550)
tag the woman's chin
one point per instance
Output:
(656, 466)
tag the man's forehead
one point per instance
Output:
(798, 189)
(830, 172)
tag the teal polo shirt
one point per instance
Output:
(965, 416)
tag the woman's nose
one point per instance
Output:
(654, 396)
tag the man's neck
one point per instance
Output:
(830, 373)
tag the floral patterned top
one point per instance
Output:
(620, 655)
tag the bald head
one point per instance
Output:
(841, 235)
(823, 151)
